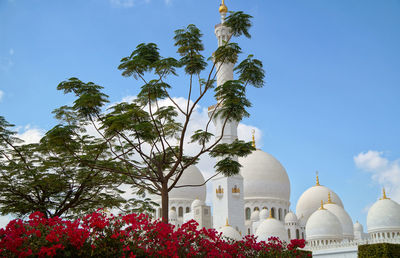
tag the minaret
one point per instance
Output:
(228, 201)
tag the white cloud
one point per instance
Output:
(30, 135)
(383, 171)
(1, 95)
(123, 3)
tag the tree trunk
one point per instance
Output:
(164, 202)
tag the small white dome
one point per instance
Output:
(263, 214)
(230, 232)
(197, 203)
(255, 215)
(310, 200)
(290, 217)
(357, 227)
(264, 177)
(271, 228)
(344, 218)
(384, 215)
(191, 176)
(323, 225)
(172, 215)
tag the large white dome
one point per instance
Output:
(384, 215)
(191, 176)
(323, 225)
(264, 177)
(271, 228)
(344, 218)
(310, 201)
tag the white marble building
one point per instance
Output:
(257, 200)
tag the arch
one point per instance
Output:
(187, 209)
(297, 234)
(280, 214)
(173, 208)
(265, 207)
(180, 212)
(288, 233)
(302, 235)
(248, 213)
(273, 212)
(256, 209)
(248, 231)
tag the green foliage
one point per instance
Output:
(251, 72)
(382, 250)
(233, 95)
(57, 176)
(189, 45)
(95, 147)
(239, 23)
(140, 61)
(227, 53)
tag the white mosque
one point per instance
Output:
(257, 200)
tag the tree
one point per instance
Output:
(43, 177)
(143, 141)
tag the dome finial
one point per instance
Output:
(223, 8)
(227, 224)
(317, 178)
(270, 214)
(384, 194)
(322, 205)
(253, 138)
(329, 199)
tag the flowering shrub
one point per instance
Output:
(133, 235)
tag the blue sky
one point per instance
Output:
(330, 102)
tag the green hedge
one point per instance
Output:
(383, 250)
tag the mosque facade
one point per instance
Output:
(257, 200)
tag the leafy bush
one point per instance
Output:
(383, 250)
(133, 235)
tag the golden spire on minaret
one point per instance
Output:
(317, 183)
(254, 139)
(223, 8)
(227, 224)
(384, 194)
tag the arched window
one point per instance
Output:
(173, 208)
(248, 231)
(187, 209)
(248, 213)
(265, 207)
(256, 209)
(302, 235)
(288, 233)
(273, 212)
(297, 234)
(280, 214)
(180, 212)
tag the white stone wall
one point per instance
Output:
(228, 205)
